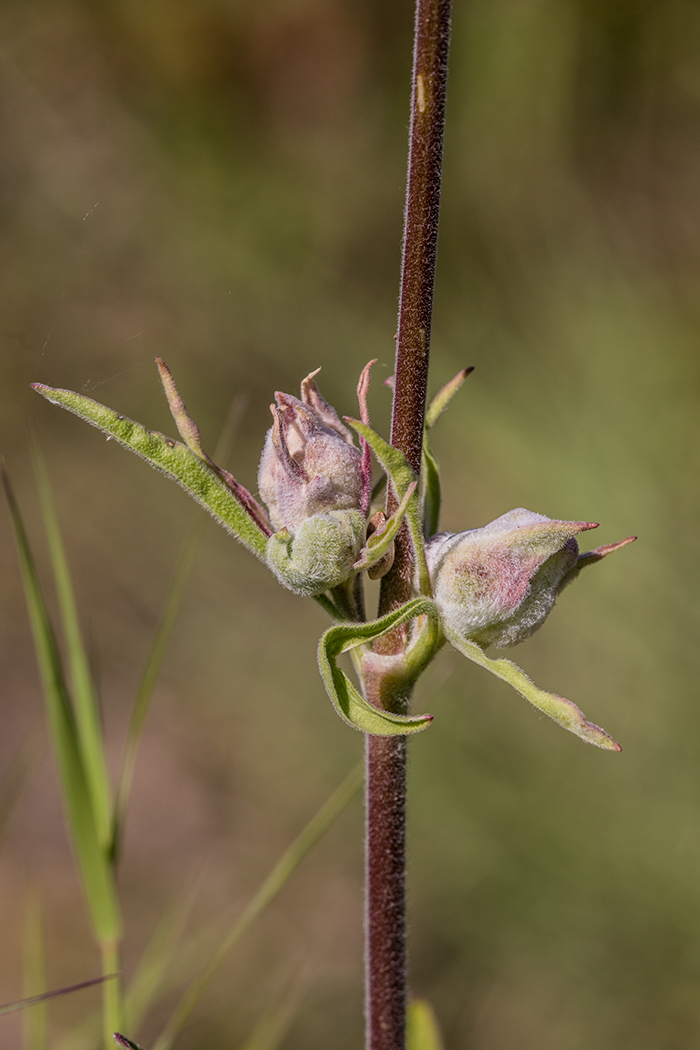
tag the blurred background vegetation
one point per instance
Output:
(221, 182)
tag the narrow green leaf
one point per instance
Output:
(401, 476)
(87, 716)
(562, 711)
(171, 458)
(347, 701)
(96, 873)
(112, 991)
(35, 1028)
(275, 881)
(423, 1032)
(379, 542)
(444, 396)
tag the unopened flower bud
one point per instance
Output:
(309, 463)
(496, 585)
(320, 554)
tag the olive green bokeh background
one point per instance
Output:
(220, 182)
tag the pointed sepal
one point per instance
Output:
(401, 476)
(379, 542)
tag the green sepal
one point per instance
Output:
(443, 397)
(379, 542)
(562, 711)
(349, 704)
(401, 477)
(422, 1030)
(431, 497)
(171, 458)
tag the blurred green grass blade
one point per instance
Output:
(35, 1024)
(275, 881)
(15, 777)
(148, 978)
(274, 1025)
(163, 634)
(423, 1032)
(171, 458)
(149, 679)
(85, 707)
(96, 873)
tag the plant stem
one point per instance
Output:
(112, 994)
(385, 908)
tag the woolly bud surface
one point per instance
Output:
(496, 585)
(309, 464)
(320, 555)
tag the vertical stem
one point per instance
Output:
(385, 907)
(112, 995)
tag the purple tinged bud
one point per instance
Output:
(309, 464)
(496, 585)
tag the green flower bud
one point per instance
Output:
(309, 464)
(496, 585)
(320, 554)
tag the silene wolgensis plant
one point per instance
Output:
(318, 530)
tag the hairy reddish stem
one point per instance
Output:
(385, 908)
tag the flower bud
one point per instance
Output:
(320, 554)
(496, 585)
(309, 463)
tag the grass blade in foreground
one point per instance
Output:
(35, 1030)
(87, 718)
(97, 875)
(275, 881)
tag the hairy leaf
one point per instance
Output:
(171, 458)
(348, 702)
(562, 711)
